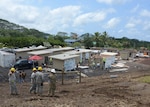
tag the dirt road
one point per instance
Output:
(99, 91)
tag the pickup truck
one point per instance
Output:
(25, 64)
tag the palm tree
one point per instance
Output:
(104, 38)
(97, 39)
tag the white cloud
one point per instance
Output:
(120, 31)
(112, 23)
(135, 8)
(40, 15)
(58, 19)
(86, 18)
(89, 17)
(26, 14)
(47, 19)
(112, 1)
(133, 22)
(17, 12)
(44, 19)
(130, 25)
(145, 13)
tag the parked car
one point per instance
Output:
(25, 64)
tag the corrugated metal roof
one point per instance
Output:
(6, 53)
(40, 52)
(78, 51)
(47, 51)
(29, 49)
(63, 56)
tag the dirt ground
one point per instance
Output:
(96, 91)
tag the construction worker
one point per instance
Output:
(52, 83)
(104, 61)
(39, 81)
(33, 81)
(12, 82)
(20, 77)
(23, 76)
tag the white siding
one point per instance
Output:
(6, 59)
(69, 64)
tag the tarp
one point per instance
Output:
(35, 58)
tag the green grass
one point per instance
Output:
(145, 79)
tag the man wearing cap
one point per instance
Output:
(39, 81)
(12, 82)
(33, 81)
(52, 83)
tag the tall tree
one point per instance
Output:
(97, 39)
(104, 38)
(88, 42)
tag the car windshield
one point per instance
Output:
(18, 61)
(30, 61)
(21, 61)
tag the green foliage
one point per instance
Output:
(145, 79)
(60, 38)
(2, 45)
(12, 35)
(88, 42)
(97, 41)
(103, 39)
(13, 30)
(28, 41)
(76, 44)
(56, 41)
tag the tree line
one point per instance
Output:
(104, 40)
(96, 40)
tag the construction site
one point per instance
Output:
(97, 88)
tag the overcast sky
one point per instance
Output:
(119, 18)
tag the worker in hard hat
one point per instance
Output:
(52, 83)
(12, 82)
(104, 61)
(39, 81)
(33, 81)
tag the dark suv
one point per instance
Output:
(25, 64)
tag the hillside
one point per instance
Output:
(11, 29)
